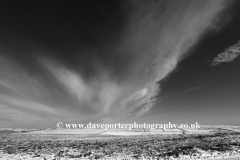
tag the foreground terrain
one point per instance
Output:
(158, 146)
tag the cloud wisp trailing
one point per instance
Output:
(119, 80)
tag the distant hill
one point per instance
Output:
(14, 130)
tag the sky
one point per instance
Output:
(155, 61)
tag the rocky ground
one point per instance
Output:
(56, 147)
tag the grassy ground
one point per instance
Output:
(100, 146)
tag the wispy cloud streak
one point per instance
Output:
(156, 37)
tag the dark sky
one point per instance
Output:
(117, 61)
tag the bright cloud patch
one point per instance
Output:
(228, 55)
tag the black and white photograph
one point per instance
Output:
(120, 80)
